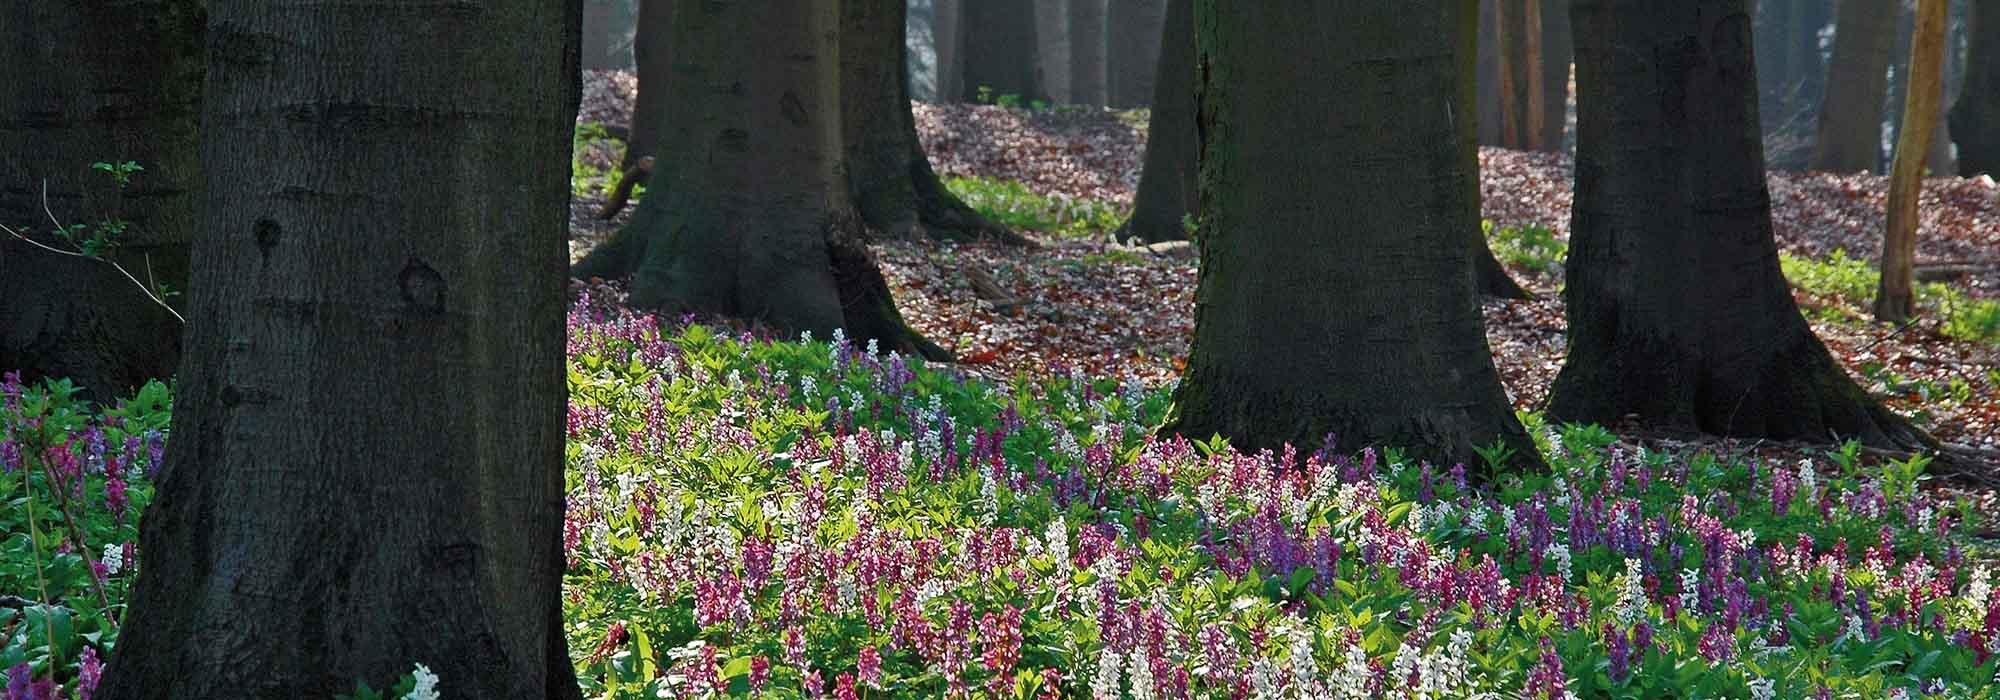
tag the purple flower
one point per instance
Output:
(17, 677)
(89, 670)
(1619, 653)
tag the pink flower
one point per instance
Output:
(869, 666)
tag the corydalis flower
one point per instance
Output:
(426, 688)
(1632, 594)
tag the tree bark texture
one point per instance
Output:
(999, 43)
(895, 190)
(1850, 120)
(1975, 116)
(1678, 313)
(366, 470)
(1518, 73)
(1053, 47)
(1167, 181)
(754, 217)
(80, 82)
(652, 53)
(1489, 276)
(1557, 53)
(950, 61)
(1894, 300)
(1132, 48)
(1086, 52)
(1354, 271)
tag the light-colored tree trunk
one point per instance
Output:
(1086, 51)
(946, 16)
(1052, 33)
(1132, 49)
(1894, 299)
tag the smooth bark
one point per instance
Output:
(754, 217)
(1975, 115)
(96, 81)
(946, 15)
(1086, 52)
(366, 464)
(652, 53)
(1489, 276)
(1167, 181)
(1353, 269)
(1894, 300)
(1678, 313)
(1849, 138)
(1557, 53)
(1132, 48)
(999, 43)
(1053, 47)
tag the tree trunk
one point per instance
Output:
(1894, 301)
(1086, 52)
(651, 51)
(1850, 120)
(894, 189)
(608, 29)
(1557, 51)
(1975, 116)
(1678, 313)
(1353, 268)
(84, 81)
(1052, 53)
(719, 233)
(1488, 78)
(1518, 73)
(1133, 29)
(950, 61)
(366, 469)
(1167, 182)
(999, 43)
(1488, 275)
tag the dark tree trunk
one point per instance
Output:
(1052, 50)
(720, 232)
(1975, 116)
(652, 53)
(1086, 52)
(366, 469)
(608, 29)
(1678, 313)
(1373, 216)
(84, 81)
(1790, 73)
(1850, 120)
(1489, 277)
(1132, 48)
(895, 190)
(1518, 73)
(1167, 181)
(1488, 75)
(999, 43)
(1558, 51)
(946, 16)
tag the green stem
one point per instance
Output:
(41, 583)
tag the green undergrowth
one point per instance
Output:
(1012, 204)
(1850, 284)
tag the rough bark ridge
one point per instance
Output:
(1677, 310)
(1975, 117)
(1894, 301)
(1086, 52)
(1132, 49)
(754, 218)
(366, 469)
(1376, 221)
(84, 81)
(653, 56)
(1168, 180)
(998, 41)
(894, 188)
(1850, 120)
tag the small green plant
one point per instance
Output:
(591, 149)
(1850, 284)
(1532, 248)
(96, 241)
(1012, 204)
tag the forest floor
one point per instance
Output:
(1084, 302)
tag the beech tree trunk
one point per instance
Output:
(947, 16)
(1678, 313)
(1850, 120)
(1975, 116)
(1167, 183)
(1133, 29)
(1052, 50)
(1518, 73)
(85, 81)
(895, 190)
(1086, 52)
(999, 43)
(652, 53)
(1894, 300)
(1399, 357)
(1489, 276)
(1557, 52)
(753, 217)
(366, 469)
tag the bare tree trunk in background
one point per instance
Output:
(1975, 116)
(1490, 108)
(1894, 300)
(366, 469)
(1489, 276)
(1086, 52)
(1669, 169)
(652, 50)
(83, 81)
(1518, 72)
(1132, 48)
(998, 41)
(754, 216)
(1167, 183)
(1557, 52)
(609, 28)
(1052, 33)
(950, 61)
(1374, 312)
(1850, 120)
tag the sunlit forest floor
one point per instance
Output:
(1082, 301)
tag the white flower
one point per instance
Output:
(1352, 681)
(1304, 667)
(426, 685)
(1559, 553)
(1808, 481)
(1104, 686)
(1057, 536)
(1689, 598)
(1632, 599)
(1763, 689)
(114, 559)
(1140, 675)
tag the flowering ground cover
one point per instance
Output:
(800, 519)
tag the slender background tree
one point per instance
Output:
(1894, 299)
(1167, 180)
(1850, 120)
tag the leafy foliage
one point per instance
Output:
(1012, 204)
(1853, 284)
